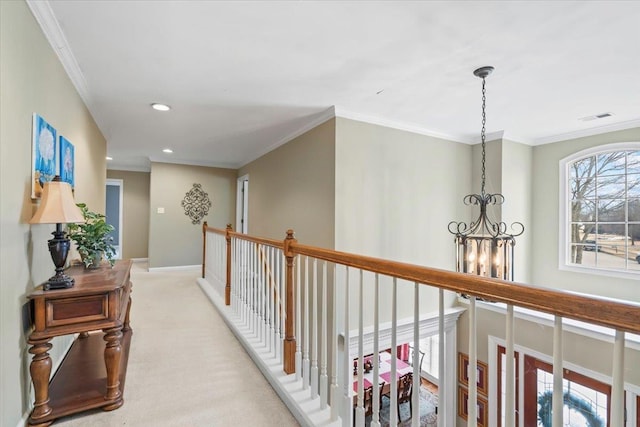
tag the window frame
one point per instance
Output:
(564, 235)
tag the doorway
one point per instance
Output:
(113, 212)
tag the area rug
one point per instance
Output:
(428, 417)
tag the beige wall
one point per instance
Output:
(396, 192)
(135, 215)
(33, 80)
(173, 239)
(293, 187)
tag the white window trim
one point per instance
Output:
(564, 202)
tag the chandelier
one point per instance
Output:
(483, 246)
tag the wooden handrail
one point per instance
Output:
(619, 315)
(592, 309)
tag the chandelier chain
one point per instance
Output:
(482, 134)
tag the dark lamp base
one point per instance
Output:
(59, 249)
(61, 281)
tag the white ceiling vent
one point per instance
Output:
(595, 117)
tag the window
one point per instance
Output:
(586, 400)
(602, 208)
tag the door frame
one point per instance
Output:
(242, 204)
(118, 183)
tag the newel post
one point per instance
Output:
(227, 288)
(289, 328)
(204, 246)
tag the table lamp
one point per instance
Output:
(58, 207)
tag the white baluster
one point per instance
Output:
(314, 331)
(393, 410)
(298, 288)
(276, 305)
(347, 383)
(510, 381)
(472, 371)
(282, 301)
(266, 325)
(306, 367)
(244, 281)
(557, 402)
(360, 407)
(375, 421)
(617, 388)
(443, 414)
(415, 417)
(324, 379)
(261, 293)
(335, 402)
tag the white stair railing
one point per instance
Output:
(285, 295)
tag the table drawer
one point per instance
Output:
(69, 311)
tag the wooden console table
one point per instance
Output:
(99, 300)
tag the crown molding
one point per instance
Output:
(324, 116)
(50, 26)
(341, 112)
(193, 163)
(128, 168)
(630, 124)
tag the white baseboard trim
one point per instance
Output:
(175, 268)
(138, 260)
(304, 409)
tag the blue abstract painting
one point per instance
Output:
(67, 161)
(45, 155)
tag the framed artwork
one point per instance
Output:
(67, 161)
(482, 375)
(44, 155)
(481, 410)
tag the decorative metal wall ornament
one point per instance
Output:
(483, 246)
(196, 204)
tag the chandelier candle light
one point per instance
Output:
(483, 247)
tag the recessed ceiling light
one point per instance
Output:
(167, 150)
(109, 158)
(160, 107)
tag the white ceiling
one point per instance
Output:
(245, 77)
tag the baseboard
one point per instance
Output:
(138, 260)
(175, 268)
(304, 409)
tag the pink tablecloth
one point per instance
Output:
(366, 384)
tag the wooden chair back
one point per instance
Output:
(405, 391)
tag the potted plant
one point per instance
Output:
(92, 238)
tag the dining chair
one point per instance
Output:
(411, 350)
(405, 391)
(367, 402)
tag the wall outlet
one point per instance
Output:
(160, 210)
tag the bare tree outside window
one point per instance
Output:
(605, 210)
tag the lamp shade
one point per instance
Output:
(58, 205)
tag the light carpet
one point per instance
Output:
(185, 366)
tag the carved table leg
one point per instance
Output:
(112, 353)
(40, 369)
(83, 335)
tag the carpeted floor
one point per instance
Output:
(185, 366)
